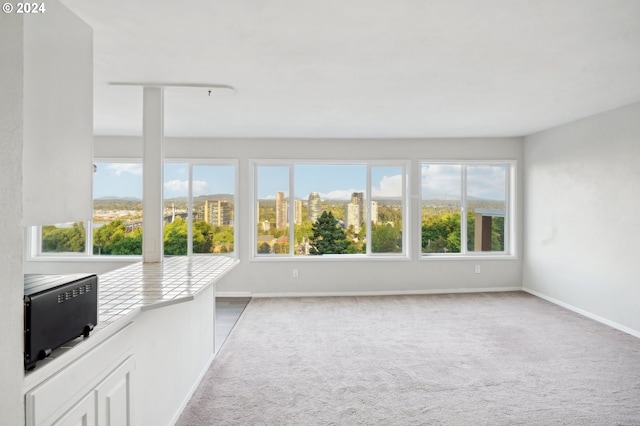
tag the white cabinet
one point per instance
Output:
(82, 414)
(57, 117)
(95, 389)
(109, 404)
(114, 397)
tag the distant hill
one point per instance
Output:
(228, 197)
(113, 203)
(111, 197)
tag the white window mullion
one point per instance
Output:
(190, 212)
(369, 199)
(291, 211)
(88, 237)
(406, 212)
(463, 212)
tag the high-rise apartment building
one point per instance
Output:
(374, 212)
(352, 216)
(357, 198)
(282, 211)
(217, 212)
(297, 212)
(314, 207)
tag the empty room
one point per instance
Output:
(234, 213)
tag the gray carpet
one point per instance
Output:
(460, 359)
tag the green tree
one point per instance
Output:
(108, 235)
(175, 237)
(63, 239)
(264, 248)
(328, 237)
(130, 244)
(386, 239)
(202, 237)
(223, 239)
(441, 234)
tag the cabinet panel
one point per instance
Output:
(58, 117)
(114, 396)
(54, 396)
(82, 414)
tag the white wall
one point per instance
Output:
(582, 209)
(11, 281)
(174, 348)
(341, 276)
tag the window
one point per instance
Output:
(387, 209)
(214, 209)
(466, 207)
(199, 208)
(116, 228)
(117, 209)
(336, 209)
(63, 238)
(199, 213)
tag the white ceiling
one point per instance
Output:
(363, 68)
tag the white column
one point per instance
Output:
(152, 179)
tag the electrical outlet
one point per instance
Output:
(295, 273)
(477, 269)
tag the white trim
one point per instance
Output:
(329, 257)
(587, 314)
(468, 256)
(233, 294)
(104, 258)
(387, 292)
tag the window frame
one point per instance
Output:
(190, 162)
(405, 164)
(510, 240)
(34, 233)
(33, 247)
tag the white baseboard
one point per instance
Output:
(385, 292)
(587, 314)
(233, 294)
(189, 395)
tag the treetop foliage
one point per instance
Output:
(328, 237)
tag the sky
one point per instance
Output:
(125, 180)
(332, 182)
(444, 181)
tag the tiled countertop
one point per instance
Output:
(153, 285)
(125, 292)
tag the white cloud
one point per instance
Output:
(486, 182)
(440, 180)
(200, 187)
(339, 194)
(444, 181)
(120, 168)
(177, 185)
(390, 186)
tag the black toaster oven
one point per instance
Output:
(57, 309)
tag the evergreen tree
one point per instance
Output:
(328, 237)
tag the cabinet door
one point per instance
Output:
(114, 396)
(58, 117)
(81, 414)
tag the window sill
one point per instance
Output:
(330, 258)
(63, 258)
(474, 257)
